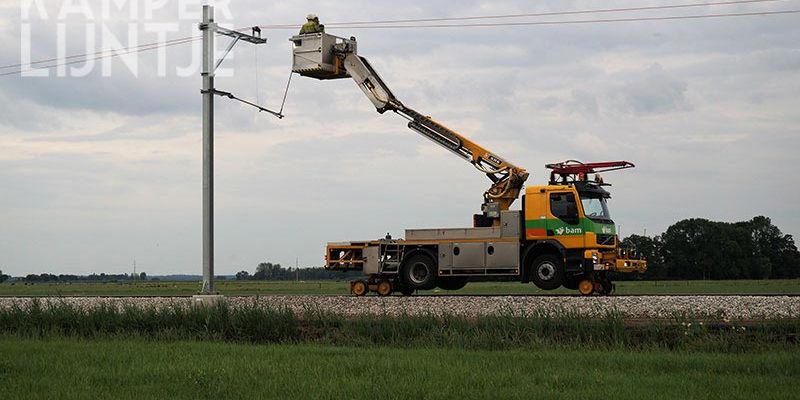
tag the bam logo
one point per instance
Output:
(565, 230)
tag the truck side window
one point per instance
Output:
(563, 206)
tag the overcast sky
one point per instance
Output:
(96, 171)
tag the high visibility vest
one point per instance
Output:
(310, 27)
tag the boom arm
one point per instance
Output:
(507, 179)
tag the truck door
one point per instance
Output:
(564, 222)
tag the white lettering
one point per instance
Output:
(152, 5)
(113, 45)
(25, 9)
(77, 7)
(105, 39)
(88, 65)
(25, 54)
(133, 9)
(61, 49)
(161, 30)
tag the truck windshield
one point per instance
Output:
(596, 208)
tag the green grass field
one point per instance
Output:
(232, 288)
(62, 351)
(125, 368)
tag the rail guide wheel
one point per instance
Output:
(586, 287)
(384, 288)
(359, 288)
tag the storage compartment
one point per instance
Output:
(468, 255)
(502, 255)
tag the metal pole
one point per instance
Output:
(207, 72)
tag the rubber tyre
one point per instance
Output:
(547, 272)
(406, 291)
(419, 272)
(359, 288)
(451, 283)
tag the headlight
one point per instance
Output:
(595, 257)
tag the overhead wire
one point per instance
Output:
(97, 53)
(590, 21)
(538, 14)
(420, 23)
(554, 13)
(564, 22)
(115, 53)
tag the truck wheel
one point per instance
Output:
(419, 272)
(451, 283)
(547, 272)
(359, 288)
(406, 291)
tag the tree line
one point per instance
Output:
(698, 248)
(267, 271)
(102, 277)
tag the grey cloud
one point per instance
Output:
(148, 128)
(652, 91)
(583, 103)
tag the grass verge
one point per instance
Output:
(256, 324)
(134, 368)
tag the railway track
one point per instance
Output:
(718, 307)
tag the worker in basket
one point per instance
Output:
(312, 26)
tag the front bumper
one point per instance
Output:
(627, 265)
(598, 261)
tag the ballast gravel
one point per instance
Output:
(635, 307)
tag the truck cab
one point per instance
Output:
(570, 236)
(575, 218)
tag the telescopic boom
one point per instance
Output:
(324, 56)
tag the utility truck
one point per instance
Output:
(562, 236)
